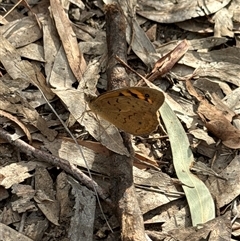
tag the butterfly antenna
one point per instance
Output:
(82, 154)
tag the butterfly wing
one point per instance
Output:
(133, 110)
(151, 97)
(137, 123)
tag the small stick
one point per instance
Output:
(58, 162)
(122, 187)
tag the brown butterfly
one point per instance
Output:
(132, 109)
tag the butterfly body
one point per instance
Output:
(132, 109)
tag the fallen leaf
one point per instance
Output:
(16, 173)
(215, 120)
(19, 123)
(68, 38)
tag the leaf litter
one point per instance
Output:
(65, 51)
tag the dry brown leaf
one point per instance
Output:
(70, 151)
(32, 51)
(95, 146)
(22, 69)
(26, 30)
(228, 113)
(23, 190)
(152, 33)
(12, 102)
(218, 124)
(176, 11)
(24, 204)
(202, 135)
(224, 71)
(45, 195)
(8, 233)
(51, 44)
(63, 188)
(196, 25)
(223, 23)
(141, 161)
(163, 65)
(154, 189)
(137, 39)
(19, 123)
(49, 207)
(82, 221)
(61, 78)
(16, 173)
(215, 120)
(75, 57)
(221, 226)
(227, 190)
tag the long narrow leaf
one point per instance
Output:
(198, 196)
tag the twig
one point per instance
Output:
(117, 45)
(122, 188)
(58, 162)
